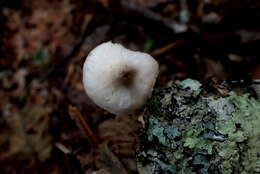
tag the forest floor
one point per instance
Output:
(49, 125)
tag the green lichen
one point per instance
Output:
(243, 130)
(193, 140)
(222, 108)
(193, 86)
(164, 134)
(204, 134)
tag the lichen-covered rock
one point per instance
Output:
(191, 131)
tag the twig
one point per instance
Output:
(243, 82)
(165, 48)
(135, 8)
(61, 63)
(81, 122)
(73, 51)
(62, 148)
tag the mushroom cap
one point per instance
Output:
(117, 79)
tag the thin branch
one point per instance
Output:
(82, 124)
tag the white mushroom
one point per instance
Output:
(117, 79)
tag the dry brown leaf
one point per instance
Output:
(26, 135)
(108, 161)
